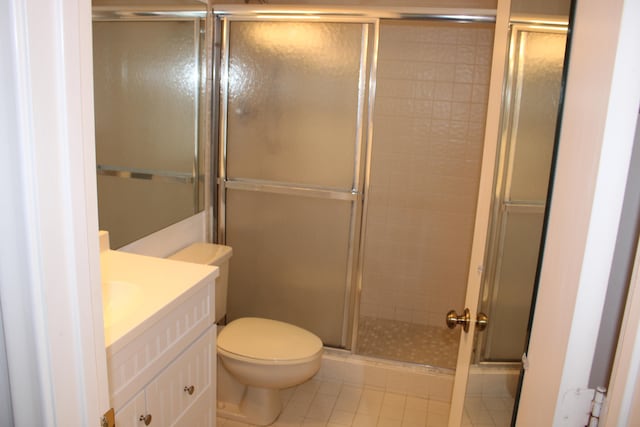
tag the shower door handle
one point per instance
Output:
(453, 319)
(464, 319)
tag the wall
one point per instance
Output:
(432, 86)
(171, 239)
(6, 412)
(620, 274)
(598, 124)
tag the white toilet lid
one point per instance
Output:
(267, 339)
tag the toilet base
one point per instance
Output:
(259, 406)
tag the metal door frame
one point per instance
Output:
(362, 140)
(502, 184)
(358, 195)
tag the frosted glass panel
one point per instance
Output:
(535, 84)
(513, 288)
(293, 101)
(539, 74)
(146, 89)
(289, 260)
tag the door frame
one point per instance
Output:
(624, 387)
(50, 283)
(598, 125)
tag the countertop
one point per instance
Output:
(137, 289)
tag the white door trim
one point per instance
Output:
(50, 287)
(622, 408)
(626, 370)
(598, 123)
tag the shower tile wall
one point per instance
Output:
(432, 86)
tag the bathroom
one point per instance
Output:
(418, 126)
(158, 247)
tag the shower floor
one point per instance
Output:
(408, 342)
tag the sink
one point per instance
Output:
(139, 291)
(118, 297)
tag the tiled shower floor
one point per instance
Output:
(408, 342)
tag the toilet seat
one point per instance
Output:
(266, 341)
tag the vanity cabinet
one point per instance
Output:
(129, 414)
(160, 340)
(183, 394)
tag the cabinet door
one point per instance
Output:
(178, 387)
(201, 413)
(129, 414)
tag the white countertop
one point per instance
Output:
(137, 289)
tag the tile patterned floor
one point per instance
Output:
(322, 403)
(408, 342)
(487, 411)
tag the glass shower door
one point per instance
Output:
(521, 188)
(530, 112)
(293, 104)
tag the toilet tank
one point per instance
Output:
(211, 254)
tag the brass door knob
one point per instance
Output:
(146, 419)
(481, 321)
(189, 389)
(464, 319)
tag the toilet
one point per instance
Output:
(256, 357)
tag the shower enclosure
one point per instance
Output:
(426, 153)
(349, 166)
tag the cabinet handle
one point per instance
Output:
(146, 419)
(189, 389)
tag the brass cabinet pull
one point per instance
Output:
(146, 419)
(189, 389)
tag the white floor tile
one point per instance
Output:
(302, 397)
(393, 406)
(364, 420)
(389, 422)
(370, 402)
(331, 388)
(329, 403)
(313, 423)
(342, 418)
(348, 399)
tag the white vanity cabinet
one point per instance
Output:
(160, 340)
(131, 413)
(183, 394)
